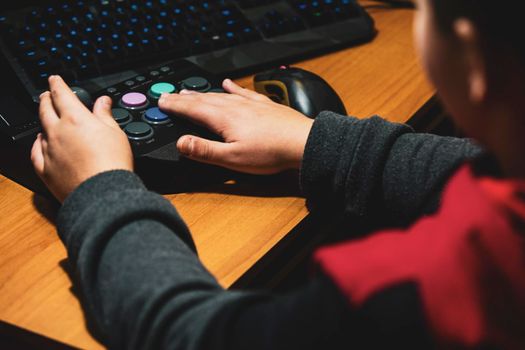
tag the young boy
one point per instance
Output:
(453, 278)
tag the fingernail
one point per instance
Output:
(186, 92)
(185, 145)
(227, 81)
(163, 97)
(42, 94)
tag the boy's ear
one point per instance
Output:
(475, 60)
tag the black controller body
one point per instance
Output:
(152, 134)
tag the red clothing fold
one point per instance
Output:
(467, 259)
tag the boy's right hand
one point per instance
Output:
(260, 136)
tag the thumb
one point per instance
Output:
(102, 110)
(202, 150)
(37, 155)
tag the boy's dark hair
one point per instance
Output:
(498, 22)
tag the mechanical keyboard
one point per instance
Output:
(88, 42)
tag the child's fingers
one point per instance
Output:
(65, 101)
(233, 88)
(218, 99)
(192, 107)
(102, 110)
(207, 151)
(46, 111)
(37, 155)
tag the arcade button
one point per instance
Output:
(219, 90)
(121, 116)
(155, 116)
(83, 96)
(160, 88)
(196, 84)
(134, 100)
(138, 131)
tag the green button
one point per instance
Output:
(160, 88)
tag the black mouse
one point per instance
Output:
(302, 90)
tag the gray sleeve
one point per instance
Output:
(124, 254)
(374, 169)
(143, 287)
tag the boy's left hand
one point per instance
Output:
(76, 143)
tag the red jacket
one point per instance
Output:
(467, 259)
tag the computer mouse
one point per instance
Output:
(302, 90)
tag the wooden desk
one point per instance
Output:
(232, 232)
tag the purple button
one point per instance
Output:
(134, 99)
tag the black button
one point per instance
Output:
(216, 90)
(196, 83)
(138, 131)
(121, 115)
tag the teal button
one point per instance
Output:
(160, 88)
